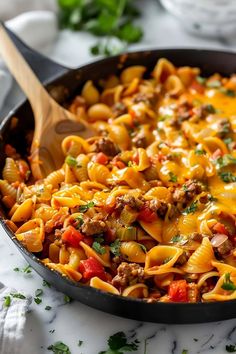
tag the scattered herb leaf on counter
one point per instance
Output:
(230, 348)
(27, 269)
(37, 300)
(110, 18)
(45, 283)
(67, 299)
(48, 308)
(80, 342)
(184, 351)
(18, 296)
(52, 331)
(38, 292)
(7, 301)
(118, 344)
(59, 348)
(16, 269)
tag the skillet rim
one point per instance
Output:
(156, 305)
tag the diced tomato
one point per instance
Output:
(100, 158)
(147, 215)
(178, 291)
(90, 268)
(195, 86)
(220, 229)
(217, 153)
(72, 236)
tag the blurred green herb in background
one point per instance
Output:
(112, 19)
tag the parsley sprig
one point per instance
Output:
(228, 284)
(191, 209)
(115, 247)
(59, 348)
(118, 344)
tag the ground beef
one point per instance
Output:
(119, 109)
(203, 111)
(192, 293)
(225, 248)
(132, 202)
(94, 226)
(183, 113)
(190, 189)
(148, 98)
(106, 146)
(128, 274)
(158, 207)
(223, 128)
(140, 141)
(182, 259)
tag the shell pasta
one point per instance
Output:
(147, 207)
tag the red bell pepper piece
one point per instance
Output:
(178, 291)
(147, 215)
(100, 158)
(90, 268)
(220, 229)
(72, 237)
(216, 154)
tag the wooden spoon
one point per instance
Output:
(52, 122)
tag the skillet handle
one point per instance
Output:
(43, 67)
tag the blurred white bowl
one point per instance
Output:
(211, 18)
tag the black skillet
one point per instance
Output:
(54, 75)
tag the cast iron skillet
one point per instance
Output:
(53, 75)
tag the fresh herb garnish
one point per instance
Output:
(230, 348)
(27, 269)
(228, 141)
(7, 301)
(52, 331)
(199, 152)
(80, 342)
(37, 300)
(213, 84)
(38, 292)
(224, 161)
(173, 177)
(71, 161)
(227, 177)
(228, 284)
(59, 348)
(48, 308)
(84, 208)
(210, 108)
(176, 239)
(80, 221)
(16, 269)
(166, 260)
(118, 344)
(67, 299)
(184, 351)
(98, 248)
(109, 18)
(45, 283)
(195, 339)
(191, 209)
(227, 92)
(201, 80)
(115, 247)
(18, 296)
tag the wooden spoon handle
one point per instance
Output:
(21, 71)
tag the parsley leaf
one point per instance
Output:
(191, 209)
(224, 161)
(48, 308)
(71, 161)
(227, 92)
(227, 177)
(213, 84)
(115, 247)
(27, 269)
(84, 208)
(45, 283)
(173, 178)
(7, 301)
(201, 80)
(228, 284)
(18, 296)
(38, 292)
(230, 348)
(80, 343)
(199, 152)
(37, 300)
(80, 221)
(184, 351)
(98, 248)
(16, 269)
(118, 344)
(59, 348)
(67, 299)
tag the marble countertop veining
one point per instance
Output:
(71, 322)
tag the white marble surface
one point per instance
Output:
(73, 322)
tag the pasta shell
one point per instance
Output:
(65, 270)
(10, 171)
(206, 276)
(163, 69)
(98, 173)
(153, 229)
(55, 178)
(119, 135)
(73, 145)
(144, 161)
(6, 189)
(132, 72)
(104, 259)
(163, 280)
(69, 175)
(97, 283)
(218, 293)
(90, 93)
(161, 258)
(224, 268)
(138, 291)
(161, 193)
(23, 212)
(200, 260)
(70, 197)
(169, 230)
(133, 251)
(174, 85)
(188, 224)
(31, 235)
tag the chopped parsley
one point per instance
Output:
(115, 247)
(18, 296)
(80, 221)
(184, 351)
(98, 248)
(230, 348)
(7, 301)
(84, 208)
(224, 161)
(16, 269)
(195, 339)
(48, 308)
(199, 152)
(37, 300)
(173, 177)
(228, 141)
(80, 342)
(166, 260)
(227, 92)
(67, 299)
(228, 284)
(71, 161)
(201, 80)
(59, 348)
(27, 269)
(38, 292)
(118, 344)
(52, 331)
(45, 283)
(213, 84)
(176, 239)
(210, 108)
(191, 209)
(227, 177)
